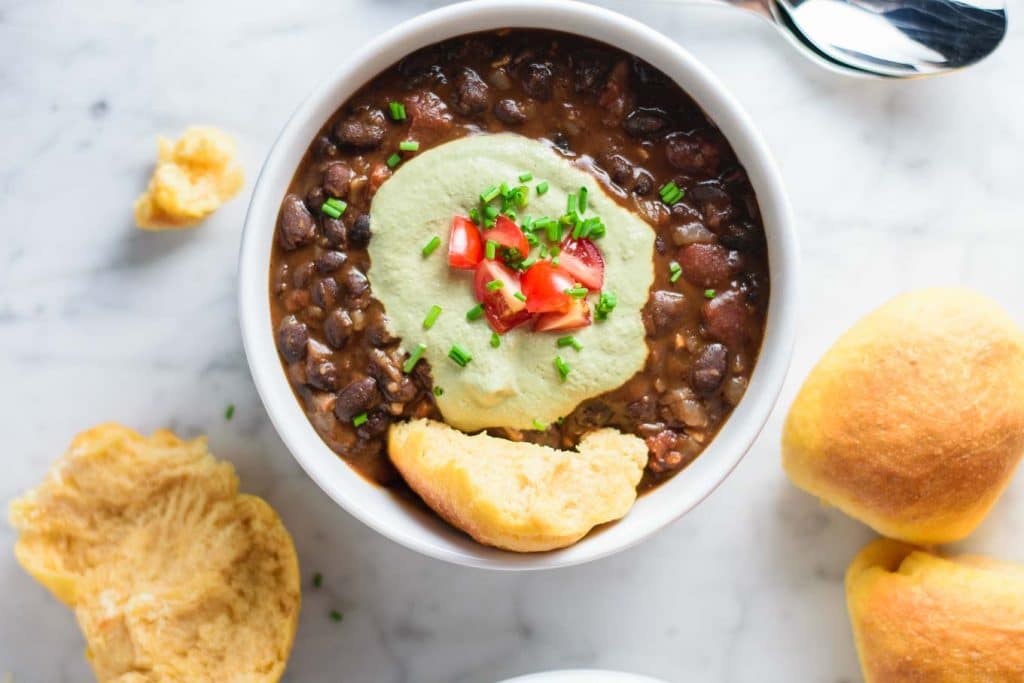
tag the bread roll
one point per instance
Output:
(913, 422)
(922, 618)
(517, 495)
(172, 574)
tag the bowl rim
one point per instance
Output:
(401, 521)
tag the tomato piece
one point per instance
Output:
(503, 310)
(584, 262)
(576, 317)
(506, 233)
(544, 285)
(465, 246)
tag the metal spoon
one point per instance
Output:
(887, 38)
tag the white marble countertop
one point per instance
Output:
(895, 185)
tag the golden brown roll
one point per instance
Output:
(913, 421)
(173, 575)
(922, 618)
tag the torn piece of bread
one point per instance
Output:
(173, 575)
(918, 617)
(193, 177)
(516, 495)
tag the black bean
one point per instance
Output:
(326, 292)
(470, 93)
(322, 373)
(359, 396)
(315, 199)
(665, 309)
(753, 286)
(292, 339)
(376, 424)
(336, 179)
(590, 68)
(509, 112)
(620, 170)
(538, 81)
(378, 334)
(296, 227)
(302, 275)
(330, 261)
(594, 414)
(335, 231)
(646, 122)
(324, 149)
(359, 234)
(338, 328)
(741, 234)
(644, 183)
(642, 410)
(561, 141)
(357, 288)
(363, 129)
(402, 391)
(725, 317)
(649, 75)
(691, 154)
(709, 368)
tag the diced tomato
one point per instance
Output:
(584, 262)
(544, 286)
(465, 247)
(576, 317)
(503, 310)
(507, 234)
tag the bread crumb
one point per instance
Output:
(193, 177)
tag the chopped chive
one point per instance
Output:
(555, 251)
(394, 160)
(520, 295)
(538, 425)
(577, 292)
(543, 251)
(491, 211)
(570, 340)
(562, 367)
(581, 202)
(330, 210)
(676, 271)
(554, 230)
(408, 146)
(525, 177)
(229, 412)
(605, 305)
(528, 262)
(554, 261)
(430, 246)
(491, 249)
(489, 194)
(414, 358)
(438, 391)
(670, 193)
(336, 615)
(318, 580)
(495, 340)
(531, 239)
(494, 285)
(397, 111)
(709, 294)
(459, 355)
(432, 316)
(475, 313)
(474, 216)
(571, 203)
(360, 419)
(542, 187)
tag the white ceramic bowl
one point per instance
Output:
(377, 507)
(582, 676)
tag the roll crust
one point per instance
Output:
(921, 618)
(913, 422)
(516, 495)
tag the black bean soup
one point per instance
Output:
(608, 112)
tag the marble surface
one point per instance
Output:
(895, 185)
